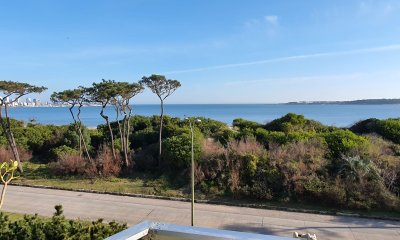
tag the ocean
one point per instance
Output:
(329, 114)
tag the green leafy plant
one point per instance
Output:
(56, 227)
(7, 170)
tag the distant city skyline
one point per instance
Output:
(221, 51)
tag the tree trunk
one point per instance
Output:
(161, 128)
(80, 132)
(10, 137)
(128, 126)
(3, 194)
(125, 142)
(160, 133)
(109, 129)
(76, 128)
(122, 138)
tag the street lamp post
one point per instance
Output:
(192, 166)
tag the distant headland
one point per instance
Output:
(354, 102)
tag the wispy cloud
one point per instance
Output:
(378, 8)
(269, 21)
(333, 77)
(386, 48)
(272, 19)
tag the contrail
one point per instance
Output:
(395, 47)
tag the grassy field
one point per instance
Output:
(40, 175)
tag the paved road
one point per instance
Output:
(134, 210)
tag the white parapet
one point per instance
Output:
(163, 231)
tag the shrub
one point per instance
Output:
(365, 126)
(297, 162)
(105, 163)
(390, 129)
(38, 139)
(242, 161)
(324, 192)
(140, 123)
(226, 136)
(210, 127)
(246, 147)
(177, 151)
(341, 142)
(266, 137)
(69, 164)
(211, 166)
(96, 138)
(242, 124)
(57, 227)
(268, 183)
(174, 130)
(144, 137)
(62, 151)
(72, 139)
(293, 122)
(145, 159)
(7, 155)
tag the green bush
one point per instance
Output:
(341, 142)
(63, 150)
(210, 127)
(366, 126)
(293, 122)
(390, 129)
(144, 137)
(243, 124)
(177, 151)
(71, 136)
(140, 123)
(174, 130)
(56, 228)
(145, 159)
(226, 136)
(38, 138)
(267, 137)
(96, 138)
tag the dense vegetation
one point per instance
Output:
(291, 159)
(57, 227)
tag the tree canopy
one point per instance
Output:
(10, 88)
(160, 86)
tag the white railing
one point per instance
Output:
(171, 231)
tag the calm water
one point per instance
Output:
(338, 115)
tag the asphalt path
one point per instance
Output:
(132, 210)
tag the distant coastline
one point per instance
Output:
(354, 102)
(382, 101)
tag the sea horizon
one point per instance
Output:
(340, 115)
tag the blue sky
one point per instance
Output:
(225, 51)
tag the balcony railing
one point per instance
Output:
(162, 231)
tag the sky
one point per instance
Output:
(225, 51)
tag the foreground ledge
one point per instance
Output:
(163, 231)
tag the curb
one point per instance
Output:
(248, 205)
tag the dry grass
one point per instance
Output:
(105, 164)
(307, 155)
(7, 155)
(70, 164)
(247, 146)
